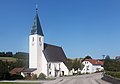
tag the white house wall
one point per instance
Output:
(87, 67)
(90, 68)
(97, 68)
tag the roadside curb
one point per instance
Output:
(111, 79)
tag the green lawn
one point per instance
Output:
(8, 58)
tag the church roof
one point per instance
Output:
(54, 53)
(36, 28)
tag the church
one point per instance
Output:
(43, 57)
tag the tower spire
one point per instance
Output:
(36, 7)
(36, 28)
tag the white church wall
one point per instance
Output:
(36, 57)
(39, 45)
(60, 67)
(64, 68)
(44, 65)
(32, 51)
(51, 68)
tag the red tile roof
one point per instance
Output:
(95, 62)
(16, 70)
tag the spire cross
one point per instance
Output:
(36, 6)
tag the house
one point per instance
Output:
(117, 57)
(91, 66)
(43, 57)
(16, 71)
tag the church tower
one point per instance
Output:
(36, 44)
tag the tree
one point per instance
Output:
(2, 54)
(22, 58)
(3, 69)
(87, 57)
(9, 54)
(107, 57)
(6, 66)
(21, 55)
(69, 64)
(112, 65)
(74, 63)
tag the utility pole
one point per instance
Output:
(103, 57)
(103, 64)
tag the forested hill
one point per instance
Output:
(9, 61)
(9, 56)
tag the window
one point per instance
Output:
(49, 65)
(59, 66)
(33, 39)
(50, 73)
(39, 39)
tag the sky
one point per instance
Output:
(80, 27)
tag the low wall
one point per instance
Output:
(111, 79)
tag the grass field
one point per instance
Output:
(8, 58)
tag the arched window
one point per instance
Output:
(33, 39)
(39, 39)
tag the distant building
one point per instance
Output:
(117, 57)
(91, 66)
(44, 58)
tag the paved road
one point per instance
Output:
(82, 79)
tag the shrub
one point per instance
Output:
(34, 77)
(79, 73)
(42, 76)
(112, 65)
